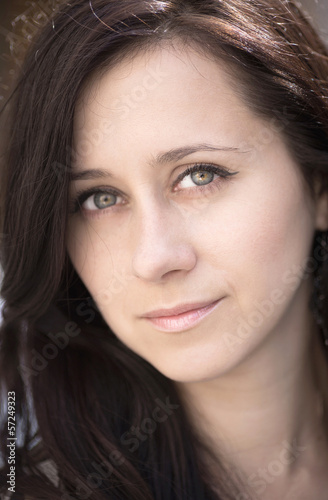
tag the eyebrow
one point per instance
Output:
(160, 159)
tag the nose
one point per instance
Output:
(162, 244)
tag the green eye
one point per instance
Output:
(202, 177)
(102, 200)
(97, 199)
(197, 177)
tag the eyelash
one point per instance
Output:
(84, 195)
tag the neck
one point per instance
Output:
(269, 409)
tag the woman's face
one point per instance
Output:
(198, 208)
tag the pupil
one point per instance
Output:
(104, 200)
(202, 177)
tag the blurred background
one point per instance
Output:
(19, 19)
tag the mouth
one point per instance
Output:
(180, 318)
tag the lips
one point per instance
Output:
(181, 317)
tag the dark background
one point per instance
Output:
(19, 18)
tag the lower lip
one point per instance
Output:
(184, 321)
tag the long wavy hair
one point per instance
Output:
(113, 425)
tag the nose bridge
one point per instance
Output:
(161, 241)
(152, 215)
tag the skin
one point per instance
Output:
(252, 372)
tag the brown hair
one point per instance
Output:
(85, 388)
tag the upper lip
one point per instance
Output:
(174, 311)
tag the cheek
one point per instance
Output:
(81, 250)
(98, 257)
(258, 235)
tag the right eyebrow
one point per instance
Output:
(93, 173)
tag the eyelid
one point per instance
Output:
(83, 194)
(207, 167)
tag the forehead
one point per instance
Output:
(161, 98)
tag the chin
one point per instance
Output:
(197, 370)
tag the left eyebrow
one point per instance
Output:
(180, 153)
(168, 157)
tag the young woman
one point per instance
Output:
(164, 250)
